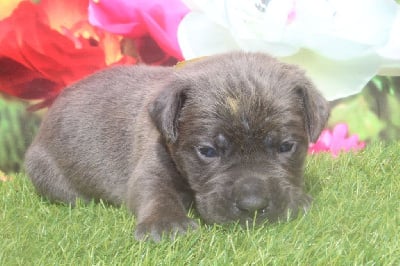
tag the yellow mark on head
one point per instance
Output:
(233, 104)
(183, 63)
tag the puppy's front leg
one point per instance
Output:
(156, 197)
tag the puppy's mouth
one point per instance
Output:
(215, 209)
(269, 211)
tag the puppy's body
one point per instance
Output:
(229, 132)
(87, 140)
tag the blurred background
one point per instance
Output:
(47, 45)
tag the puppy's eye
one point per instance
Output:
(286, 146)
(207, 151)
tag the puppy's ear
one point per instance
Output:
(316, 110)
(165, 111)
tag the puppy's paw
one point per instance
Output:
(155, 229)
(300, 206)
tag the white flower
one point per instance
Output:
(341, 44)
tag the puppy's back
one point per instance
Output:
(87, 137)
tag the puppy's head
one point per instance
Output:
(238, 127)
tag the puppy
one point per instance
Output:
(228, 133)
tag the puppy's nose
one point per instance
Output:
(252, 203)
(251, 197)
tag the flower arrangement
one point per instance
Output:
(341, 44)
(47, 45)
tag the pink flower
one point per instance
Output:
(139, 19)
(336, 141)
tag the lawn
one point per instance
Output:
(354, 220)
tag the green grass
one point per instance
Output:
(355, 220)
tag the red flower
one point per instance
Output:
(46, 46)
(336, 141)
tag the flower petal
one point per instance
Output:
(136, 19)
(20, 81)
(341, 29)
(214, 10)
(199, 36)
(337, 42)
(391, 52)
(64, 14)
(340, 131)
(336, 79)
(6, 7)
(336, 141)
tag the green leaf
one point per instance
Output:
(361, 120)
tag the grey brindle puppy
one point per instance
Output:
(228, 133)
